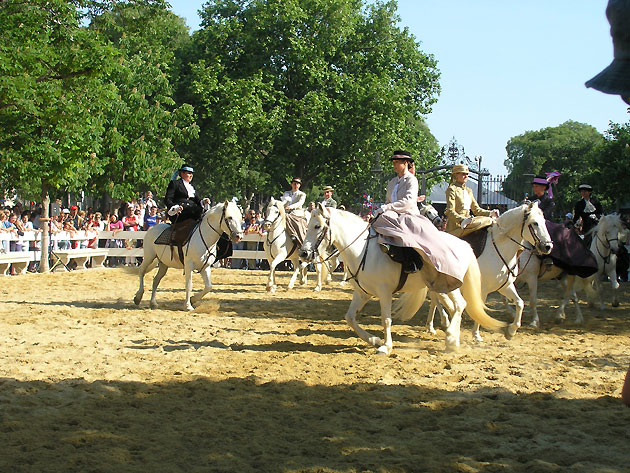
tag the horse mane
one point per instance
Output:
(610, 219)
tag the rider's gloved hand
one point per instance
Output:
(466, 222)
(494, 213)
(175, 209)
(378, 212)
(593, 216)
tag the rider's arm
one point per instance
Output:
(298, 204)
(408, 203)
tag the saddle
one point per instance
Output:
(477, 240)
(177, 235)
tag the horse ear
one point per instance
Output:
(272, 201)
(320, 207)
(226, 203)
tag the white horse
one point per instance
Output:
(604, 246)
(279, 246)
(498, 263)
(431, 213)
(199, 253)
(375, 274)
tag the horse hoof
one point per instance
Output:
(452, 344)
(510, 331)
(137, 299)
(534, 324)
(190, 308)
(318, 288)
(431, 330)
(383, 350)
(479, 338)
(153, 305)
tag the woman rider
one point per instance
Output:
(403, 231)
(463, 213)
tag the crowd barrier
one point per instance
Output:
(63, 253)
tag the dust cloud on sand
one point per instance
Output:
(252, 382)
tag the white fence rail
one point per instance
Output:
(118, 244)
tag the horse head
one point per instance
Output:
(527, 222)
(233, 219)
(318, 228)
(607, 232)
(273, 212)
(429, 212)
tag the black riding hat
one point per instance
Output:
(585, 187)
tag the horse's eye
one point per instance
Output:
(318, 226)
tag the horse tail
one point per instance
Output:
(406, 306)
(475, 306)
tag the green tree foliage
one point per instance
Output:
(52, 98)
(305, 87)
(568, 148)
(611, 166)
(145, 125)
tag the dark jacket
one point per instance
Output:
(589, 219)
(176, 194)
(546, 204)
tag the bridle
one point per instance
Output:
(606, 245)
(223, 218)
(327, 230)
(272, 228)
(535, 237)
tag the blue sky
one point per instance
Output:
(507, 66)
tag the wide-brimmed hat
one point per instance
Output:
(297, 179)
(460, 168)
(615, 79)
(585, 187)
(402, 155)
(541, 181)
(327, 188)
(186, 168)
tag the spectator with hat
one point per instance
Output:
(462, 210)
(589, 209)
(328, 200)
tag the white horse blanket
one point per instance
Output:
(449, 255)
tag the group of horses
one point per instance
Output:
(512, 253)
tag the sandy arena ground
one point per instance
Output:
(251, 382)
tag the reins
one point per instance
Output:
(606, 245)
(198, 227)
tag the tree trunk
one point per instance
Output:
(43, 263)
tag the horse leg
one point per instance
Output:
(509, 291)
(303, 271)
(319, 269)
(532, 286)
(162, 269)
(566, 283)
(147, 260)
(431, 315)
(271, 283)
(455, 304)
(358, 301)
(386, 322)
(188, 276)
(207, 285)
(612, 275)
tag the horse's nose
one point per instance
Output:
(305, 255)
(266, 225)
(547, 247)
